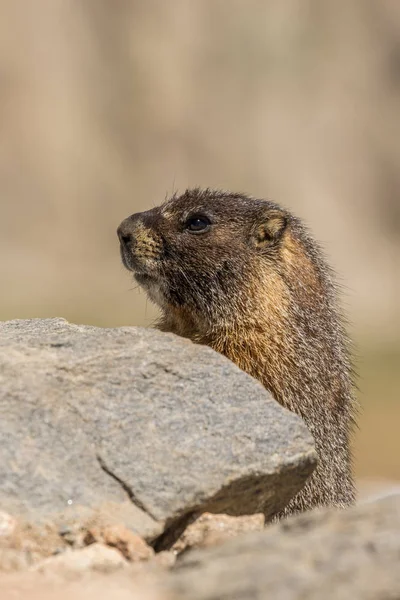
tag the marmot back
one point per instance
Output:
(243, 276)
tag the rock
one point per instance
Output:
(330, 554)
(96, 557)
(131, 546)
(210, 530)
(149, 424)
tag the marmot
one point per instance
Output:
(243, 276)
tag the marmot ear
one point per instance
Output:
(269, 230)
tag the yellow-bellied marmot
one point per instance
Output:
(243, 276)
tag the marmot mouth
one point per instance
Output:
(141, 276)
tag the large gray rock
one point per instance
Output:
(329, 554)
(145, 425)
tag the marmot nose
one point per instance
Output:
(126, 229)
(125, 237)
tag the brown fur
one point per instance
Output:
(255, 287)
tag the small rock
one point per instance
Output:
(210, 529)
(72, 535)
(131, 546)
(165, 559)
(7, 524)
(96, 557)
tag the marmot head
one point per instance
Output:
(209, 254)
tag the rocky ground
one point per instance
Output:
(136, 464)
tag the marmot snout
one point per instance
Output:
(243, 276)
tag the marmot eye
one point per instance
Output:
(198, 224)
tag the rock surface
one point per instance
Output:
(141, 426)
(212, 530)
(116, 586)
(329, 554)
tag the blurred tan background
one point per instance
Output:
(106, 107)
